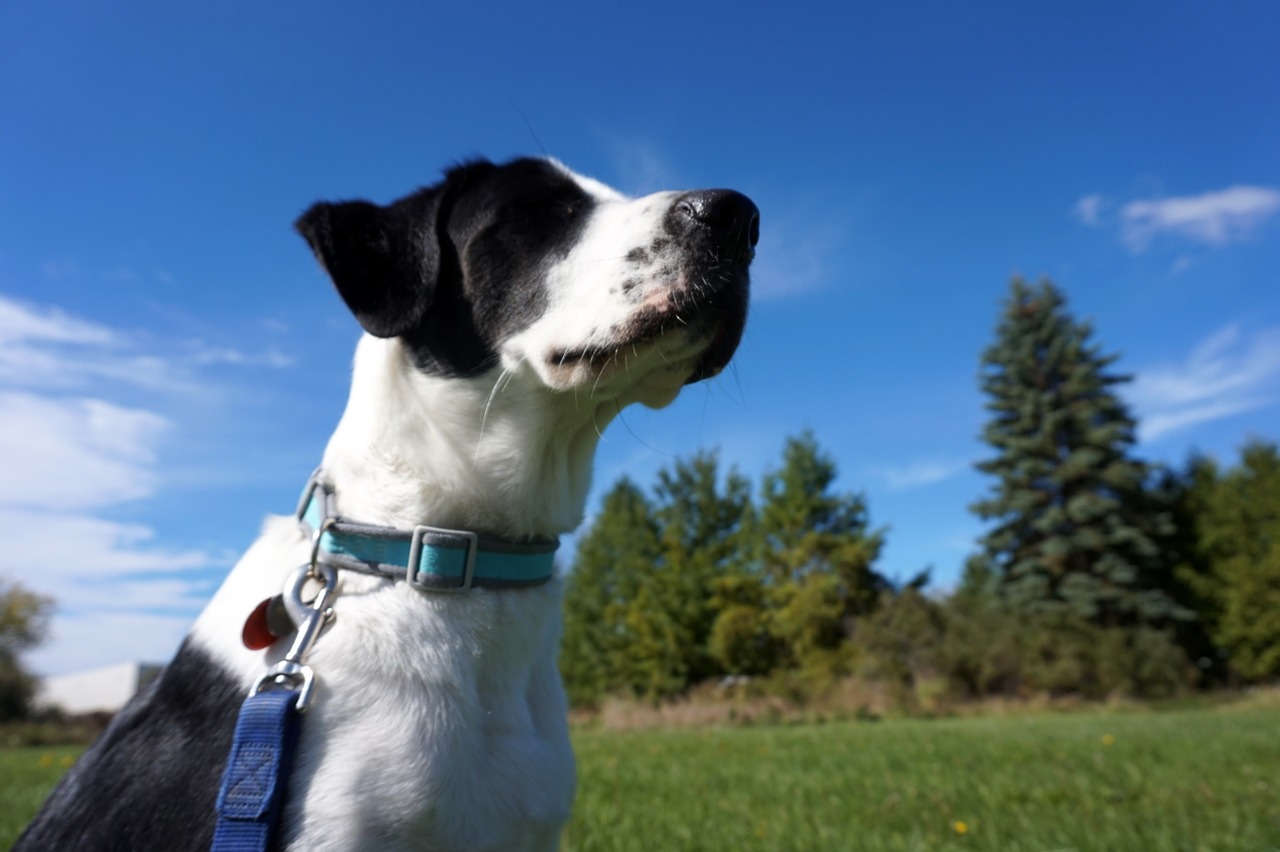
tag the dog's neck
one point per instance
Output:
(499, 454)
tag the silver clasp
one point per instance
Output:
(290, 672)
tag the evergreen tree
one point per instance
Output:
(695, 581)
(815, 552)
(1074, 531)
(1239, 536)
(640, 602)
(1185, 494)
(615, 556)
(703, 529)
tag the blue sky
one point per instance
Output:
(172, 360)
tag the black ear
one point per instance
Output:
(385, 261)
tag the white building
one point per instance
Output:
(96, 690)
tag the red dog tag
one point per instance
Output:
(256, 634)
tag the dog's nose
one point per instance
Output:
(729, 219)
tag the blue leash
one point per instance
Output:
(253, 786)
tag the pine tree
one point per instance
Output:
(1239, 533)
(703, 529)
(615, 556)
(1186, 494)
(816, 551)
(640, 601)
(1074, 532)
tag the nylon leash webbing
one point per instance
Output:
(253, 785)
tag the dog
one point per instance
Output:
(509, 313)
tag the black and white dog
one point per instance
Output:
(510, 312)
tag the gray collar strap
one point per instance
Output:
(428, 558)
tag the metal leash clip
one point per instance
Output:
(311, 618)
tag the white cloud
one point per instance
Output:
(1089, 209)
(1212, 218)
(96, 569)
(43, 348)
(923, 473)
(1226, 374)
(57, 549)
(19, 322)
(640, 166)
(74, 453)
(72, 450)
(788, 265)
(205, 355)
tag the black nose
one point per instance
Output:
(729, 220)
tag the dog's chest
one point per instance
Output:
(440, 724)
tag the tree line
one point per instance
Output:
(1099, 573)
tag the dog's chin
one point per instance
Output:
(650, 369)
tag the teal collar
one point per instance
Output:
(428, 558)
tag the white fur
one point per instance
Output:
(439, 720)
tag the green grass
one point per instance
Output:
(26, 777)
(1131, 782)
(1192, 779)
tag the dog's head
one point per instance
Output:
(528, 266)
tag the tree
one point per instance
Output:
(1185, 494)
(1074, 531)
(703, 529)
(641, 602)
(24, 622)
(1239, 537)
(900, 643)
(617, 553)
(816, 552)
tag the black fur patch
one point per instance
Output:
(455, 269)
(150, 782)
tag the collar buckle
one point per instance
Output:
(414, 572)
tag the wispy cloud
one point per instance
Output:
(792, 261)
(640, 165)
(74, 453)
(204, 354)
(920, 474)
(43, 348)
(19, 322)
(77, 446)
(1228, 373)
(1214, 219)
(1089, 209)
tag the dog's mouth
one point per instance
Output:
(699, 327)
(646, 327)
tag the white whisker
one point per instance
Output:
(484, 417)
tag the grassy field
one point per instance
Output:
(1127, 782)
(1204, 779)
(26, 777)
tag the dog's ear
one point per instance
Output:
(385, 261)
